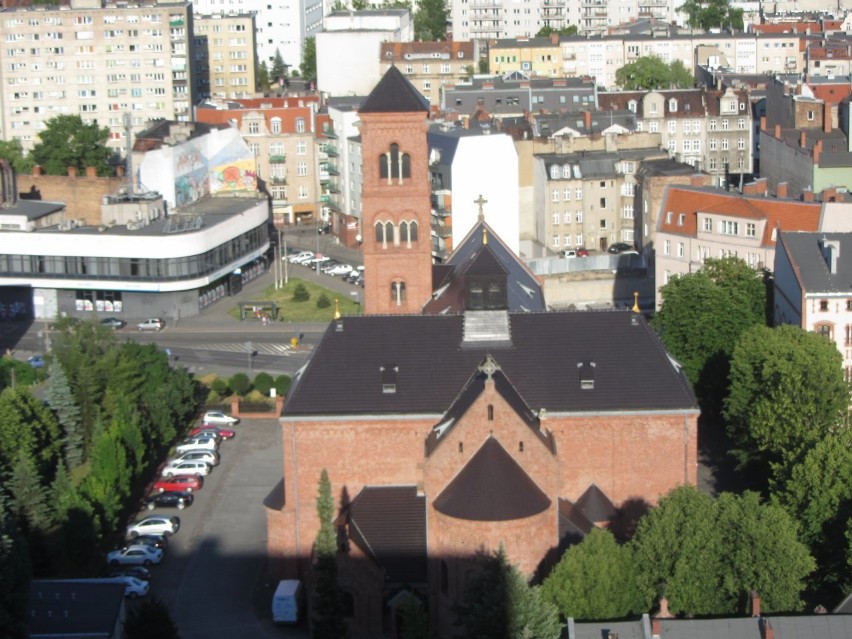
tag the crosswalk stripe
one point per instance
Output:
(266, 349)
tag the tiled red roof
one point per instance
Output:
(787, 215)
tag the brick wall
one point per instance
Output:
(82, 194)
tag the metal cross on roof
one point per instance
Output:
(481, 201)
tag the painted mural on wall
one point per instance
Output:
(238, 175)
(191, 174)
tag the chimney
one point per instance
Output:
(763, 123)
(807, 195)
(91, 172)
(803, 139)
(655, 627)
(587, 116)
(664, 609)
(777, 131)
(766, 631)
(36, 170)
(826, 118)
(72, 171)
(755, 603)
(781, 189)
(757, 187)
(554, 38)
(817, 151)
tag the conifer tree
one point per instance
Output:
(327, 612)
(61, 400)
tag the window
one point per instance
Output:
(394, 164)
(824, 330)
(810, 116)
(667, 247)
(397, 292)
(708, 224)
(714, 144)
(603, 224)
(301, 147)
(578, 193)
(680, 218)
(823, 305)
(578, 241)
(554, 195)
(712, 125)
(672, 126)
(579, 217)
(654, 126)
(724, 144)
(300, 125)
(729, 227)
(566, 193)
(554, 241)
(302, 169)
(603, 202)
(303, 192)
(741, 124)
(254, 128)
(555, 217)
(849, 305)
(724, 124)
(275, 125)
(741, 144)
(627, 212)
(384, 233)
(408, 232)
(750, 229)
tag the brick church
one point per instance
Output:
(458, 415)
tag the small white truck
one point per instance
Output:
(287, 601)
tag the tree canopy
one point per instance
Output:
(67, 142)
(701, 318)
(650, 72)
(706, 555)
(309, 59)
(786, 392)
(430, 20)
(594, 580)
(278, 72)
(712, 14)
(546, 32)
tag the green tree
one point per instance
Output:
(681, 76)
(309, 59)
(263, 382)
(109, 480)
(327, 621)
(13, 152)
(15, 574)
(786, 392)
(300, 293)
(712, 14)
(66, 141)
(279, 70)
(150, 619)
(27, 426)
(29, 495)
(63, 404)
(430, 20)
(261, 80)
(323, 301)
(701, 318)
(414, 619)
(546, 31)
(239, 384)
(497, 603)
(650, 72)
(282, 384)
(594, 580)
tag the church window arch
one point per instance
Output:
(394, 165)
(408, 232)
(397, 291)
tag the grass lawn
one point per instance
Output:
(290, 311)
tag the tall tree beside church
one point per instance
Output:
(430, 21)
(279, 69)
(67, 142)
(15, 574)
(327, 620)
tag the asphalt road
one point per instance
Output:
(213, 575)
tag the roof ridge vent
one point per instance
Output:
(486, 327)
(587, 375)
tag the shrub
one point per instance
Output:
(239, 384)
(301, 294)
(323, 301)
(256, 397)
(263, 382)
(282, 384)
(219, 386)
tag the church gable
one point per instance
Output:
(394, 94)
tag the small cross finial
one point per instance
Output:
(481, 201)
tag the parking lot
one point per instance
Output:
(213, 574)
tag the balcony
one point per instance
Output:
(330, 134)
(277, 180)
(332, 189)
(329, 150)
(328, 169)
(277, 159)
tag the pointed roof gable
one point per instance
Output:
(491, 487)
(394, 94)
(595, 505)
(484, 262)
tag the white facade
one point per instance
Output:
(344, 121)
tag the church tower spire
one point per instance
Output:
(396, 212)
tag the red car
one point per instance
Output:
(178, 483)
(223, 433)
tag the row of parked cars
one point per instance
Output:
(181, 477)
(328, 265)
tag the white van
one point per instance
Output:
(287, 601)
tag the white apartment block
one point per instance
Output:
(225, 58)
(280, 25)
(100, 63)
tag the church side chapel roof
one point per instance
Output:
(523, 290)
(431, 364)
(389, 524)
(394, 94)
(596, 506)
(572, 522)
(491, 487)
(473, 389)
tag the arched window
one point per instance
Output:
(397, 292)
(825, 329)
(408, 232)
(412, 231)
(275, 125)
(394, 165)
(554, 172)
(389, 237)
(380, 233)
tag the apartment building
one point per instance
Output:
(586, 199)
(533, 56)
(225, 57)
(430, 66)
(340, 170)
(282, 135)
(97, 61)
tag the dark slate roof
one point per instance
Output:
(804, 251)
(74, 607)
(633, 371)
(32, 209)
(394, 94)
(595, 505)
(665, 167)
(491, 487)
(572, 522)
(389, 524)
(484, 262)
(523, 291)
(595, 164)
(828, 626)
(474, 389)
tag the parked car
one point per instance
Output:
(340, 269)
(319, 259)
(151, 324)
(196, 468)
(568, 253)
(155, 541)
(135, 555)
(168, 499)
(209, 429)
(620, 247)
(355, 273)
(179, 483)
(210, 457)
(197, 443)
(154, 525)
(140, 572)
(299, 258)
(133, 586)
(328, 265)
(218, 417)
(36, 361)
(113, 323)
